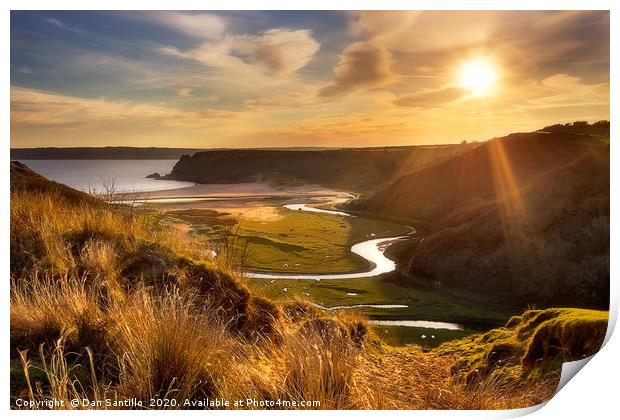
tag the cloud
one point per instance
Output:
(285, 101)
(184, 92)
(427, 30)
(429, 98)
(61, 25)
(379, 84)
(561, 82)
(534, 42)
(30, 107)
(259, 104)
(275, 51)
(563, 90)
(197, 25)
(34, 107)
(278, 50)
(362, 65)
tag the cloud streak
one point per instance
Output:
(30, 107)
(432, 97)
(57, 23)
(197, 25)
(277, 51)
(361, 65)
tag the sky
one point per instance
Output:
(300, 79)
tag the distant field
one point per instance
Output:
(422, 303)
(288, 241)
(279, 240)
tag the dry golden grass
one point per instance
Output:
(164, 346)
(46, 229)
(106, 302)
(319, 365)
(45, 309)
(409, 378)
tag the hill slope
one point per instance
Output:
(351, 169)
(525, 216)
(24, 179)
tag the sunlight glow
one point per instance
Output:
(478, 76)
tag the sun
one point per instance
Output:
(478, 76)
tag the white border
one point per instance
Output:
(592, 395)
(310, 5)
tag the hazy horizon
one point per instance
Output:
(301, 79)
(238, 148)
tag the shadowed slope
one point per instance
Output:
(350, 169)
(24, 179)
(524, 216)
(498, 167)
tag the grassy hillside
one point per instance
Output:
(509, 367)
(350, 169)
(529, 346)
(524, 216)
(25, 180)
(109, 303)
(110, 297)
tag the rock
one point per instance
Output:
(154, 175)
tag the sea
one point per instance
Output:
(98, 175)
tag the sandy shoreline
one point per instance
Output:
(252, 201)
(235, 191)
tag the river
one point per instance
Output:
(305, 207)
(372, 250)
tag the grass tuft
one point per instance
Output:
(530, 346)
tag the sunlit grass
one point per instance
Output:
(297, 242)
(106, 302)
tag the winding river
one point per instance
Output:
(305, 207)
(372, 250)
